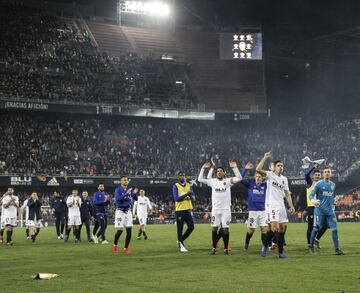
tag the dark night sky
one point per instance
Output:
(289, 28)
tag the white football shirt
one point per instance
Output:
(25, 206)
(2, 211)
(142, 205)
(276, 186)
(11, 211)
(220, 194)
(74, 211)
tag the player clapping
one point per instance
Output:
(34, 205)
(10, 204)
(74, 218)
(141, 208)
(124, 199)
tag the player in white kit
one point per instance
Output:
(141, 208)
(10, 204)
(2, 220)
(26, 208)
(277, 190)
(73, 203)
(220, 201)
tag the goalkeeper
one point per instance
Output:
(324, 212)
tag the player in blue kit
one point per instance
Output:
(324, 212)
(101, 203)
(256, 203)
(124, 200)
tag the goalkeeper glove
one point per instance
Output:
(315, 202)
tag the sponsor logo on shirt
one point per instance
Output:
(327, 193)
(256, 191)
(220, 189)
(274, 183)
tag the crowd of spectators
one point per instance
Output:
(38, 144)
(54, 59)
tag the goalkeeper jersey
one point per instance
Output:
(324, 192)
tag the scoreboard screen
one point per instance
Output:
(241, 46)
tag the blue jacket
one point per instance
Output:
(124, 198)
(58, 203)
(34, 209)
(87, 209)
(100, 205)
(308, 178)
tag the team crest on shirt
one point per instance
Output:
(224, 183)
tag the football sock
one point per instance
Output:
(321, 232)
(248, 237)
(220, 234)
(270, 235)
(335, 238)
(264, 239)
(117, 236)
(128, 237)
(8, 236)
(226, 237)
(214, 238)
(280, 241)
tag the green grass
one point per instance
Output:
(156, 265)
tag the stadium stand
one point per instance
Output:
(71, 145)
(55, 59)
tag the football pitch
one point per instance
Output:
(155, 265)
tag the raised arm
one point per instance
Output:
(308, 179)
(238, 177)
(248, 167)
(260, 166)
(210, 173)
(201, 178)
